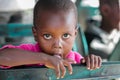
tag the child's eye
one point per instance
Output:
(47, 36)
(66, 35)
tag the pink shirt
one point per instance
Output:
(35, 48)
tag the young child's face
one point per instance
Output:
(55, 32)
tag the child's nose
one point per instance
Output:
(58, 43)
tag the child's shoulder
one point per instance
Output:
(74, 53)
(75, 56)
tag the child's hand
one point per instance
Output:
(59, 64)
(92, 61)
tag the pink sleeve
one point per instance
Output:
(74, 56)
(78, 57)
(29, 47)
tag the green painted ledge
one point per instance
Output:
(109, 70)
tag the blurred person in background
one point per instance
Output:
(16, 11)
(103, 39)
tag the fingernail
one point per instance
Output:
(88, 68)
(57, 77)
(70, 73)
(98, 67)
(62, 76)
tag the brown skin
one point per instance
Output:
(110, 17)
(55, 34)
(57, 31)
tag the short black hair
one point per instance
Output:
(53, 5)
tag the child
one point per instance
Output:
(54, 31)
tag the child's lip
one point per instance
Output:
(58, 55)
(58, 52)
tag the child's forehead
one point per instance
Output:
(57, 13)
(56, 18)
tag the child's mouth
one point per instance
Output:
(58, 55)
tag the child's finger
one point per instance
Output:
(57, 70)
(92, 61)
(70, 61)
(63, 70)
(88, 62)
(69, 66)
(99, 62)
(96, 62)
(83, 60)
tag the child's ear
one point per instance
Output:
(76, 32)
(34, 33)
(105, 10)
